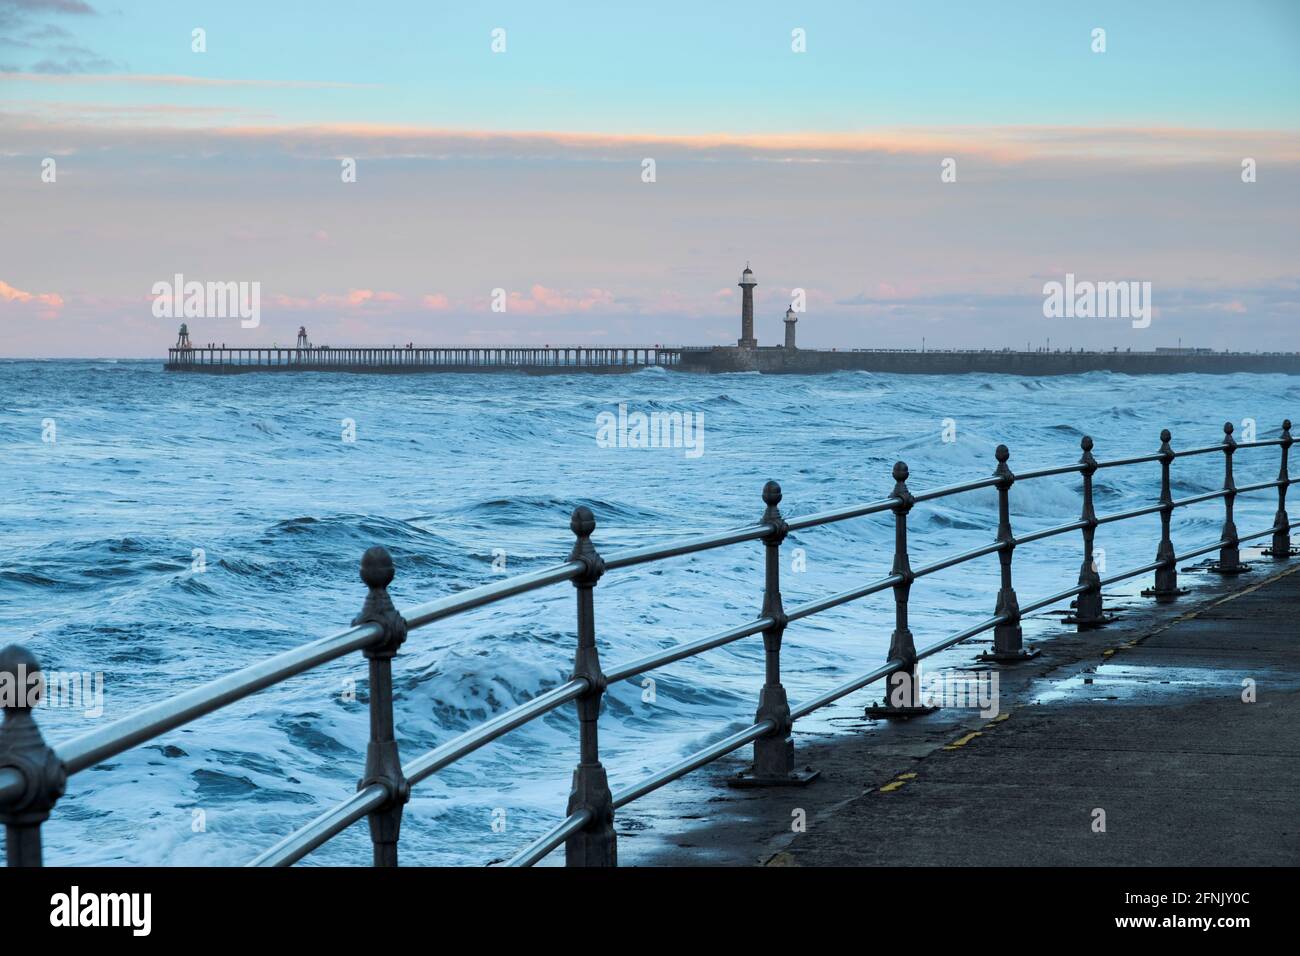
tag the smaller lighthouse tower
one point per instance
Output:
(747, 283)
(790, 320)
(302, 342)
(183, 340)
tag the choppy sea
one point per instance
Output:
(161, 529)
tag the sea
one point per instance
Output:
(161, 529)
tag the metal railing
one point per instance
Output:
(33, 775)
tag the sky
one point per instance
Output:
(128, 157)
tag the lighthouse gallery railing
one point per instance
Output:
(33, 775)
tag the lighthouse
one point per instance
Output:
(790, 320)
(747, 283)
(183, 340)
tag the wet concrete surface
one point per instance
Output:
(1143, 720)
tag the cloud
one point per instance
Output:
(1009, 146)
(352, 299)
(61, 58)
(47, 304)
(539, 300)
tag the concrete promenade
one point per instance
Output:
(1143, 720)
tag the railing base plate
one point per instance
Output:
(1008, 657)
(747, 779)
(885, 712)
(1217, 568)
(1090, 624)
(1288, 553)
(1165, 595)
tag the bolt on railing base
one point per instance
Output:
(749, 779)
(1008, 657)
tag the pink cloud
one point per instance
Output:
(353, 298)
(540, 300)
(1007, 144)
(48, 303)
(436, 303)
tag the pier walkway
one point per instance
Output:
(1145, 722)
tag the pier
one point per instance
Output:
(747, 355)
(34, 774)
(533, 359)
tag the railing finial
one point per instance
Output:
(772, 493)
(377, 573)
(23, 749)
(582, 523)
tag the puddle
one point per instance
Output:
(1138, 683)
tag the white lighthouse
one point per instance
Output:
(790, 320)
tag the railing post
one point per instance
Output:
(1229, 552)
(1008, 638)
(1166, 587)
(383, 765)
(23, 749)
(1281, 547)
(1088, 610)
(595, 844)
(901, 691)
(774, 751)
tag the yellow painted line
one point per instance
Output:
(891, 787)
(1193, 614)
(962, 742)
(1213, 604)
(906, 776)
(999, 718)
